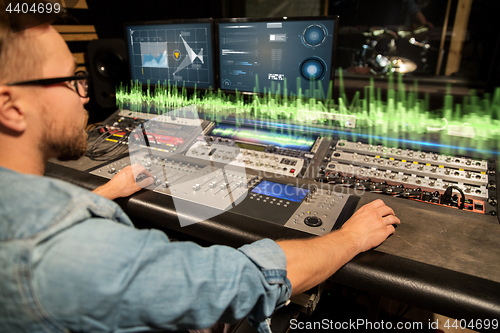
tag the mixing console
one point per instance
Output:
(228, 187)
(266, 162)
(222, 166)
(413, 174)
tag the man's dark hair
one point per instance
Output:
(20, 59)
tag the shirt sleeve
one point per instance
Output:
(100, 275)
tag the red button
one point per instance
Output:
(292, 170)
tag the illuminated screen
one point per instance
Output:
(281, 191)
(174, 52)
(264, 56)
(265, 137)
(251, 147)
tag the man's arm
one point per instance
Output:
(123, 183)
(311, 261)
(417, 15)
(420, 18)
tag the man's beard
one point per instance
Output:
(70, 145)
(70, 150)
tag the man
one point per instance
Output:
(414, 16)
(70, 260)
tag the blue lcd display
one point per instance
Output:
(281, 191)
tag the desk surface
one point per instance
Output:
(441, 259)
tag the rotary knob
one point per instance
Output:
(313, 221)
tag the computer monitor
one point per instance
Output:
(287, 56)
(176, 52)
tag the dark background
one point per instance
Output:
(480, 57)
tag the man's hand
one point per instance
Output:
(312, 261)
(123, 183)
(370, 225)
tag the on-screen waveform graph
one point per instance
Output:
(176, 54)
(402, 117)
(190, 57)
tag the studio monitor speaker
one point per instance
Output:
(108, 67)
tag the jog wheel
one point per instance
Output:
(313, 221)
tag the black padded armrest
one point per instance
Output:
(447, 292)
(443, 291)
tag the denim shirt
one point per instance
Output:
(71, 260)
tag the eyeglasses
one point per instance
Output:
(80, 81)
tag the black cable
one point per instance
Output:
(109, 153)
(95, 152)
(447, 195)
(97, 143)
(115, 145)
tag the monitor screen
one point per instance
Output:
(262, 136)
(284, 56)
(176, 53)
